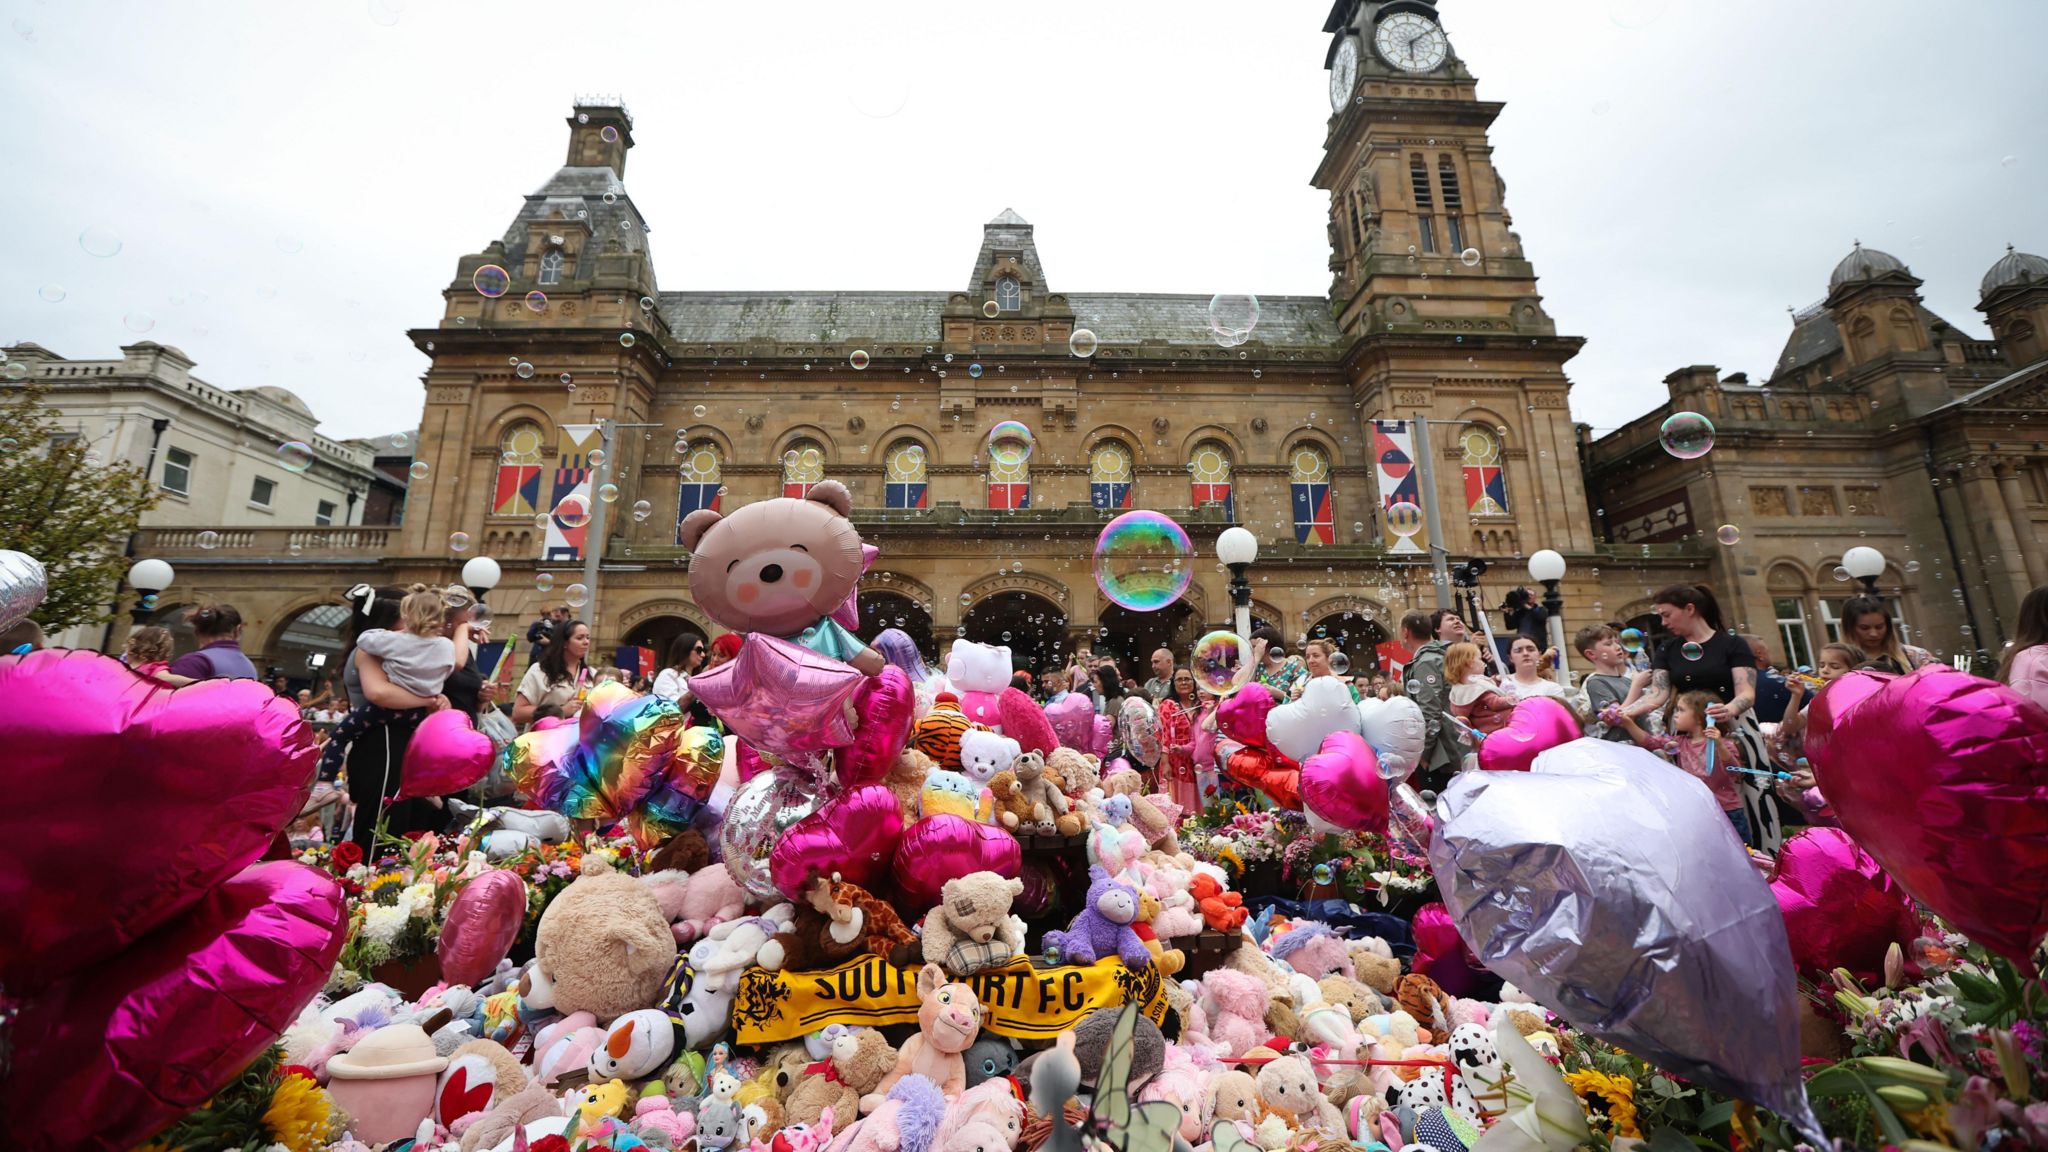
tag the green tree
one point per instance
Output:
(73, 516)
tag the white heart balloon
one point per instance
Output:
(23, 584)
(1297, 727)
(1396, 730)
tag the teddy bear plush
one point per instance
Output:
(1151, 823)
(1287, 1086)
(1234, 1005)
(906, 779)
(1374, 966)
(686, 851)
(1013, 811)
(603, 945)
(1169, 961)
(1051, 811)
(1079, 773)
(971, 927)
(1103, 926)
(1222, 911)
(859, 1059)
(938, 734)
(835, 922)
(948, 1021)
(1353, 996)
(1234, 1099)
(782, 567)
(984, 753)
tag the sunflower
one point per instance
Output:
(1610, 1101)
(299, 1116)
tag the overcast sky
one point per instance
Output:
(292, 183)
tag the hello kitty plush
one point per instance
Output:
(980, 673)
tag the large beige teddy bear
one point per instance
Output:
(603, 947)
(971, 927)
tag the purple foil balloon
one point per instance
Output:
(780, 697)
(1608, 885)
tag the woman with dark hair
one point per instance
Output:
(1277, 670)
(1180, 714)
(375, 757)
(218, 628)
(559, 677)
(686, 654)
(1867, 624)
(2025, 666)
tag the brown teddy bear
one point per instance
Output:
(1353, 996)
(1375, 966)
(906, 779)
(1050, 808)
(1013, 811)
(686, 851)
(1077, 774)
(602, 947)
(858, 1061)
(971, 928)
(1167, 960)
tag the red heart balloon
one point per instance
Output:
(938, 848)
(1943, 779)
(1537, 725)
(95, 753)
(1025, 722)
(446, 754)
(481, 923)
(855, 835)
(887, 707)
(1841, 910)
(106, 1059)
(1269, 772)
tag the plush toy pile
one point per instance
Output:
(898, 912)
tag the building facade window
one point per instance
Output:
(262, 491)
(1009, 295)
(903, 484)
(1309, 485)
(517, 491)
(1209, 467)
(1791, 613)
(1009, 482)
(1486, 478)
(1425, 204)
(323, 513)
(803, 466)
(1110, 476)
(551, 262)
(702, 471)
(1454, 202)
(178, 466)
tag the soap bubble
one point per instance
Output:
(573, 511)
(536, 301)
(458, 541)
(625, 339)
(1469, 257)
(294, 456)
(859, 359)
(609, 493)
(609, 134)
(524, 371)
(1688, 435)
(642, 510)
(419, 470)
(1404, 517)
(491, 280)
(990, 309)
(1631, 640)
(1340, 663)
(1841, 574)
(209, 539)
(52, 293)
(1010, 444)
(543, 581)
(974, 370)
(577, 595)
(597, 457)
(100, 241)
(1082, 343)
(699, 411)
(1216, 660)
(1233, 317)
(1691, 650)
(138, 321)
(1728, 534)
(1324, 874)
(1141, 561)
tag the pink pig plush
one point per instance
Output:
(948, 1020)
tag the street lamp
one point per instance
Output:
(1546, 567)
(1237, 548)
(148, 578)
(1865, 564)
(481, 575)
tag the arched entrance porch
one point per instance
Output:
(1030, 623)
(882, 608)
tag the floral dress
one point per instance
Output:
(1177, 736)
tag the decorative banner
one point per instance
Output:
(1020, 1001)
(1393, 445)
(563, 543)
(1655, 521)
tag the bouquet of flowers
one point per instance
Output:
(395, 909)
(269, 1106)
(1233, 836)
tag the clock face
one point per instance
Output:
(1343, 73)
(1411, 42)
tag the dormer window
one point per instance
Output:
(1009, 296)
(551, 266)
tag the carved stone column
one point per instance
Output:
(1987, 502)
(2022, 521)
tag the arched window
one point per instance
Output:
(1486, 478)
(1863, 337)
(1210, 468)
(1309, 483)
(517, 492)
(1009, 296)
(702, 471)
(551, 262)
(1109, 476)
(803, 465)
(903, 484)
(1009, 480)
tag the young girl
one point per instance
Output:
(1836, 661)
(1700, 749)
(416, 658)
(1474, 699)
(149, 654)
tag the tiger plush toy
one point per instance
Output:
(938, 734)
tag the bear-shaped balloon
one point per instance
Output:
(782, 567)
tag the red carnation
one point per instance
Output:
(345, 856)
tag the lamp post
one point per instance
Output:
(148, 578)
(1865, 564)
(1546, 567)
(481, 575)
(1237, 548)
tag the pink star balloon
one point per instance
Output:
(782, 698)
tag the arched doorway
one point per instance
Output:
(1031, 625)
(1132, 637)
(881, 609)
(1356, 635)
(656, 633)
(307, 647)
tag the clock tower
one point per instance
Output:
(1429, 280)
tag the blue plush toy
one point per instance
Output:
(1103, 927)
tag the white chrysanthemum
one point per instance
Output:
(383, 922)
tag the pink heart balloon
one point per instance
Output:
(1242, 714)
(1101, 733)
(1072, 719)
(781, 697)
(1841, 910)
(1442, 955)
(446, 754)
(95, 753)
(1024, 721)
(1537, 725)
(855, 835)
(939, 848)
(1341, 783)
(1943, 779)
(106, 1059)
(480, 925)
(886, 705)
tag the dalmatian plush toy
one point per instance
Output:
(1480, 1066)
(1427, 1091)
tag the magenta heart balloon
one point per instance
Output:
(1341, 783)
(1072, 719)
(938, 848)
(94, 755)
(781, 697)
(1442, 955)
(1537, 725)
(887, 707)
(446, 754)
(1841, 910)
(1024, 721)
(855, 835)
(1242, 714)
(107, 1058)
(1943, 779)
(480, 925)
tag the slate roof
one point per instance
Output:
(574, 189)
(2013, 268)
